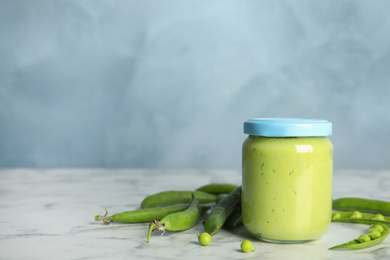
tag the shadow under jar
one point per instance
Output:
(287, 168)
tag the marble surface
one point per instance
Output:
(49, 214)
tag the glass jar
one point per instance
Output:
(287, 168)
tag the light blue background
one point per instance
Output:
(168, 84)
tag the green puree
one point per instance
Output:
(287, 187)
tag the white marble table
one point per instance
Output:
(48, 214)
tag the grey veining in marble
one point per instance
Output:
(48, 214)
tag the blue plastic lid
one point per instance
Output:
(287, 127)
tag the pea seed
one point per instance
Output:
(336, 215)
(379, 217)
(374, 234)
(364, 238)
(378, 227)
(204, 239)
(356, 214)
(247, 246)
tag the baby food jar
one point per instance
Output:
(287, 167)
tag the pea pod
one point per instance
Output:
(356, 243)
(175, 197)
(220, 213)
(363, 205)
(235, 219)
(218, 188)
(346, 216)
(177, 221)
(145, 215)
(221, 197)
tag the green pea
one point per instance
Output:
(356, 214)
(204, 239)
(378, 227)
(379, 217)
(374, 234)
(364, 238)
(336, 215)
(247, 246)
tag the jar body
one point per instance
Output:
(287, 187)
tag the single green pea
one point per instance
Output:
(356, 214)
(364, 238)
(204, 239)
(336, 216)
(378, 227)
(379, 217)
(374, 234)
(247, 246)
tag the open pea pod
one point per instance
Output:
(350, 215)
(356, 244)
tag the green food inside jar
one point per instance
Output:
(287, 187)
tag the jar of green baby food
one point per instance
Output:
(287, 167)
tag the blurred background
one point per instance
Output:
(168, 84)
